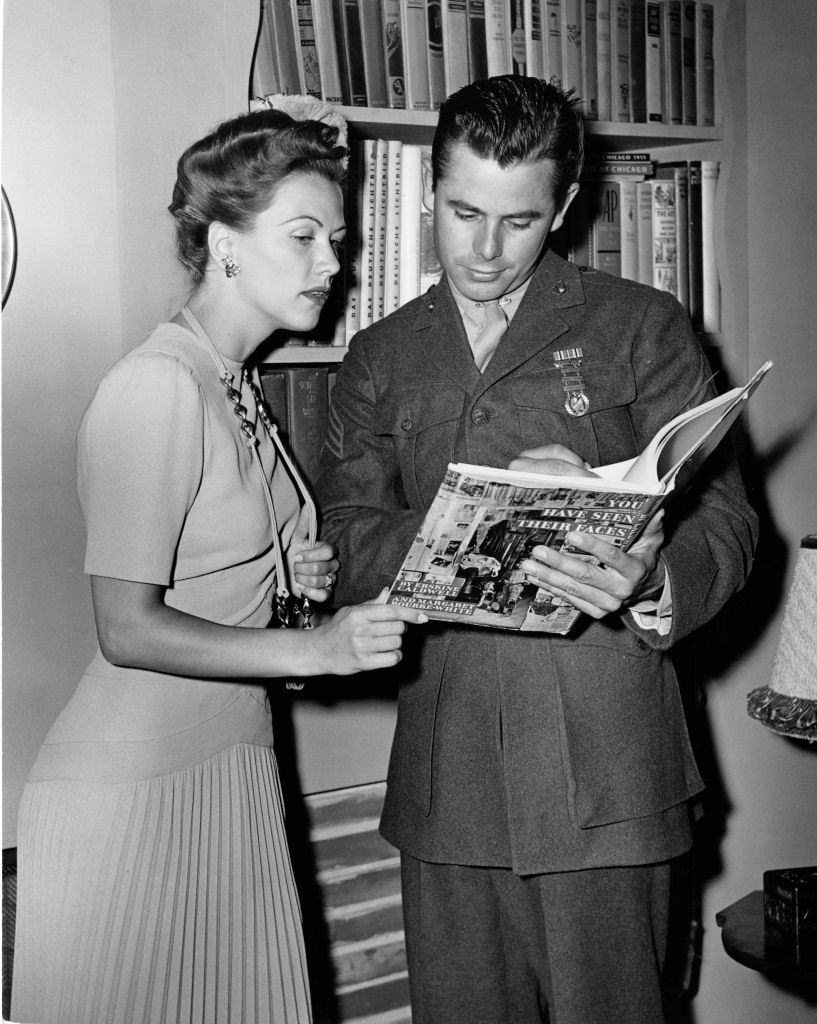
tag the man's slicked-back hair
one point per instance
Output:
(232, 175)
(511, 119)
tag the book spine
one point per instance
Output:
(415, 54)
(368, 247)
(381, 152)
(328, 57)
(689, 104)
(374, 64)
(620, 61)
(654, 65)
(695, 246)
(477, 44)
(673, 60)
(644, 231)
(353, 48)
(391, 20)
(498, 37)
(283, 40)
(430, 270)
(572, 46)
(552, 43)
(613, 168)
(711, 284)
(308, 409)
(519, 53)
(629, 226)
(705, 63)
(604, 58)
(265, 74)
(455, 44)
(394, 225)
(309, 72)
(274, 389)
(678, 174)
(664, 237)
(534, 57)
(435, 52)
(589, 60)
(411, 199)
(607, 223)
(638, 61)
(353, 245)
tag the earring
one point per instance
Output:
(231, 268)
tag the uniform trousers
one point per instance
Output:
(487, 946)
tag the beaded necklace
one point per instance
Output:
(287, 606)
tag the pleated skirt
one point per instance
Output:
(168, 899)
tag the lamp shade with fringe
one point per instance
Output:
(788, 705)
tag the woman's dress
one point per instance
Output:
(154, 878)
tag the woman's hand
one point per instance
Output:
(363, 637)
(312, 571)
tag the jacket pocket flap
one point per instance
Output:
(417, 408)
(607, 385)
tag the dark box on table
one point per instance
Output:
(790, 916)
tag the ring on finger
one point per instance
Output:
(330, 580)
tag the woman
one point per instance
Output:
(155, 882)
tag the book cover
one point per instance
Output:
(368, 244)
(519, 53)
(629, 225)
(673, 60)
(589, 60)
(435, 52)
(352, 43)
(283, 43)
(552, 43)
(695, 246)
(274, 388)
(654, 65)
(411, 201)
(356, 199)
(710, 170)
(306, 49)
(415, 54)
(326, 37)
(455, 44)
(391, 21)
(689, 89)
(705, 63)
(604, 50)
(534, 41)
(430, 270)
(572, 47)
(607, 227)
(644, 231)
(498, 37)
(374, 63)
(378, 297)
(664, 236)
(477, 43)
(678, 174)
(464, 565)
(394, 225)
(620, 61)
(638, 61)
(307, 412)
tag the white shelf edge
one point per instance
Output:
(305, 354)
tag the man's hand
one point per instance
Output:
(622, 578)
(554, 459)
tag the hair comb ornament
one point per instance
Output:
(305, 108)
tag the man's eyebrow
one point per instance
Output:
(461, 204)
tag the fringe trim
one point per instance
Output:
(789, 716)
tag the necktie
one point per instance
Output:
(485, 343)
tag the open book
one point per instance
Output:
(464, 563)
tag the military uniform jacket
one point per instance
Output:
(535, 752)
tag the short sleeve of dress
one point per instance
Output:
(140, 453)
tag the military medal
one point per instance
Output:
(568, 361)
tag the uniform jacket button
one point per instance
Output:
(407, 424)
(560, 288)
(480, 417)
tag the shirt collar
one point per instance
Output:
(473, 314)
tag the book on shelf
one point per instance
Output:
(589, 59)
(606, 165)
(309, 72)
(381, 157)
(628, 199)
(572, 47)
(552, 43)
(351, 45)
(654, 64)
(465, 563)
(415, 54)
(394, 225)
(638, 61)
(673, 60)
(435, 52)
(711, 312)
(498, 37)
(620, 60)
(643, 232)
(326, 42)
(695, 246)
(519, 50)
(705, 63)
(477, 42)
(604, 52)
(411, 202)
(356, 199)
(534, 41)
(374, 62)
(455, 44)
(391, 23)
(678, 173)
(662, 272)
(689, 104)
(274, 388)
(367, 231)
(277, 57)
(307, 416)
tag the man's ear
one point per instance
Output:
(428, 188)
(558, 220)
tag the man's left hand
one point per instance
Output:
(621, 578)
